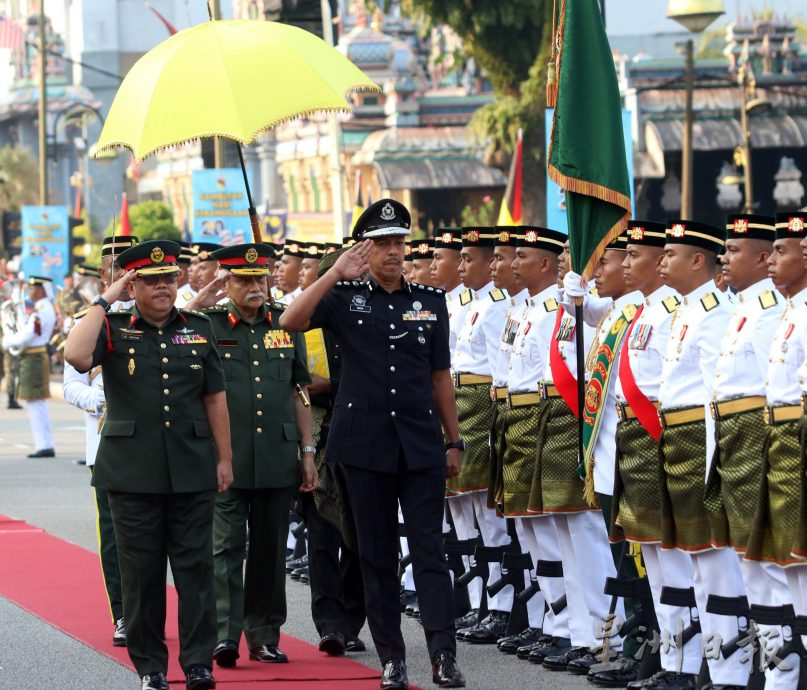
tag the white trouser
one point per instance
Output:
(40, 424)
(494, 533)
(587, 562)
(672, 568)
(717, 571)
(462, 513)
(797, 586)
(536, 603)
(539, 537)
(766, 584)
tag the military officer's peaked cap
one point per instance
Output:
(422, 249)
(507, 235)
(244, 259)
(792, 224)
(384, 218)
(448, 238)
(87, 271)
(38, 280)
(477, 236)
(541, 238)
(185, 253)
(204, 250)
(115, 244)
(747, 226)
(694, 234)
(646, 233)
(151, 258)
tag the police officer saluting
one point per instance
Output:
(164, 450)
(395, 390)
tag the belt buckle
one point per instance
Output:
(804, 402)
(715, 411)
(542, 391)
(767, 414)
(620, 411)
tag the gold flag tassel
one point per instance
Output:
(551, 68)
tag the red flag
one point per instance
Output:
(510, 212)
(125, 226)
(168, 25)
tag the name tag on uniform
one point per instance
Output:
(225, 342)
(421, 315)
(130, 334)
(640, 337)
(276, 339)
(193, 339)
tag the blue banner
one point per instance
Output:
(220, 207)
(45, 242)
(555, 196)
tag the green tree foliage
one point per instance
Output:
(150, 220)
(20, 178)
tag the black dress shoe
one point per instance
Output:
(511, 643)
(722, 686)
(294, 563)
(394, 677)
(226, 653)
(304, 577)
(581, 665)
(556, 645)
(445, 671)
(298, 573)
(354, 644)
(666, 680)
(268, 654)
(333, 644)
(119, 636)
(199, 677)
(469, 620)
(81, 461)
(524, 652)
(413, 609)
(154, 681)
(14, 405)
(559, 662)
(44, 453)
(627, 672)
(490, 630)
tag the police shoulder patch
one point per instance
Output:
(709, 301)
(551, 304)
(768, 299)
(497, 295)
(465, 296)
(671, 303)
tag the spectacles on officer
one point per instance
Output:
(152, 281)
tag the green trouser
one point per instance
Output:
(108, 552)
(150, 529)
(252, 600)
(626, 570)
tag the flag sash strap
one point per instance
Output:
(642, 406)
(561, 375)
(597, 387)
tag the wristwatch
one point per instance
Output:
(459, 444)
(309, 449)
(100, 300)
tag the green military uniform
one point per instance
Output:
(262, 365)
(157, 461)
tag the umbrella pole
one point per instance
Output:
(253, 214)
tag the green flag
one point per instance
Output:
(587, 148)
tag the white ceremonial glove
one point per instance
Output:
(572, 287)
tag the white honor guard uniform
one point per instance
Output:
(457, 302)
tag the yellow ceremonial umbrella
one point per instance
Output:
(228, 78)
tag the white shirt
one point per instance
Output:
(567, 346)
(456, 314)
(86, 392)
(690, 360)
(744, 351)
(604, 452)
(648, 342)
(787, 367)
(500, 366)
(530, 351)
(185, 294)
(478, 340)
(37, 330)
(289, 297)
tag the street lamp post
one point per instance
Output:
(695, 16)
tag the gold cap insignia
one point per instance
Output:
(678, 230)
(473, 236)
(157, 255)
(795, 225)
(446, 238)
(531, 236)
(312, 250)
(637, 233)
(251, 256)
(504, 236)
(203, 254)
(740, 226)
(423, 248)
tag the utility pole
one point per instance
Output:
(43, 110)
(337, 179)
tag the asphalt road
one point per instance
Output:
(55, 494)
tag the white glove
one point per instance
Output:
(572, 287)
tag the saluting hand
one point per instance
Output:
(352, 265)
(453, 462)
(211, 293)
(117, 290)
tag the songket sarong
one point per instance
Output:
(496, 479)
(518, 458)
(475, 413)
(34, 375)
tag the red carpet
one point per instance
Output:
(61, 583)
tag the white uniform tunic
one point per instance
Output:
(530, 351)
(517, 307)
(478, 340)
(457, 312)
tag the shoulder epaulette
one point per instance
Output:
(594, 292)
(768, 299)
(348, 283)
(427, 288)
(671, 303)
(211, 310)
(629, 312)
(278, 305)
(497, 295)
(709, 301)
(119, 312)
(551, 304)
(466, 296)
(182, 310)
(81, 313)
(187, 295)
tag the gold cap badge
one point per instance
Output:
(251, 256)
(157, 255)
